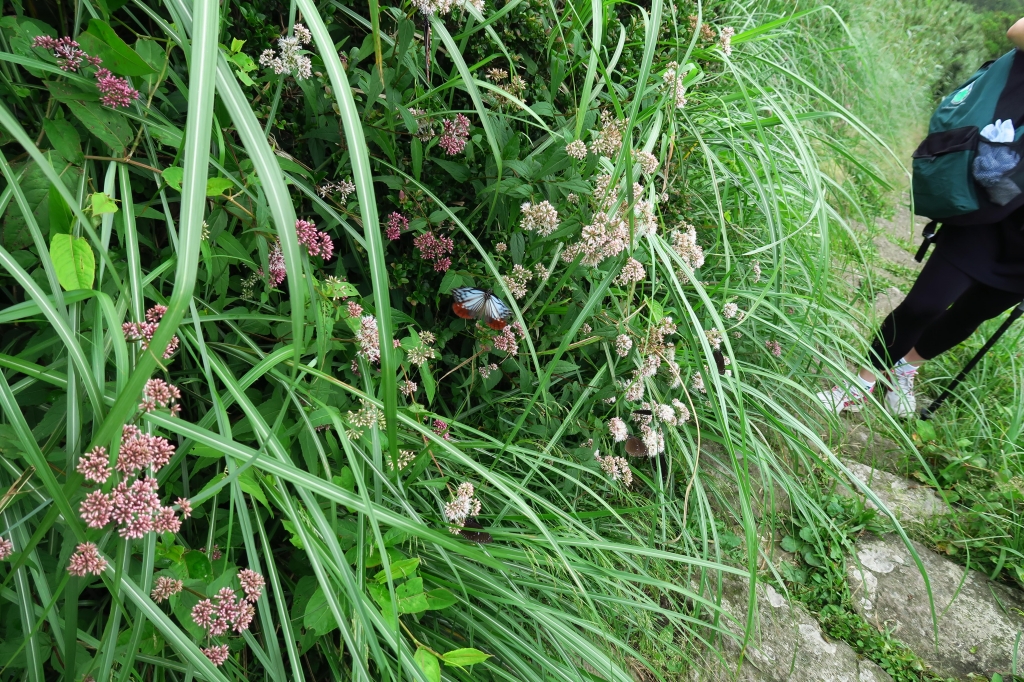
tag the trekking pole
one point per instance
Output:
(927, 412)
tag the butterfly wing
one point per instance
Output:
(495, 312)
(469, 302)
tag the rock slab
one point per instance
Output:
(786, 645)
(978, 620)
(908, 500)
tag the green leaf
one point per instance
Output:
(102, 203)
(172, 176)
(61, 216)
(110, 127)
(100, 40)
(410, 596)
(463, 657)
(926, 431)
(517, 247)
(198, 565)
(399, 569)
(73, 260)
(790, 544)
(247, 481)
(459, 171)
(657, 312)
(450, 281)
(429, 385)
(65, 139)
(215, 186)
(807, 534)
(318, 615)
(36, 187)
(439, 598)
(236, 45)
(428, 664)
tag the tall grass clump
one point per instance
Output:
(245, 435)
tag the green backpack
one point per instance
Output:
(944, 184)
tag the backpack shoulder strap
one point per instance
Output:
(1011, 100)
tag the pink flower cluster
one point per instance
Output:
(227, 611)
(68, 52)
(117, 92)
(166, 588)
(159, 393)
(275, 263)
(397, 224)
(441, 429)
(134, 506)
(456, 134)
(435, 248)
(508, 340)
(217, 654)
(368, 338)
(318, 243)
(143, 331)
(774, 347)
(86, 560)
(6, 548)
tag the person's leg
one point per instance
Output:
(937, 286)
(978, 304)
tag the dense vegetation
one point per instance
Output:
(247, 436)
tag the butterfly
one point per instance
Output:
(636, 447)
(475, 535)
(477, 304)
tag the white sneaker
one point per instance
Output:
(901, 401)
(838, 399)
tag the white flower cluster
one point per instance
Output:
(541, 218)
(462, 506)
(290, 58)
(616, 467)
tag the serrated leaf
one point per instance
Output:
(173, 175)
(429, 664)
(399, 569)
(657, 312)
(410, 596)
(65, 139)
(463, 657)
(198, 566)
(73, 260)
(102, 203)
(100, 40)
(110, 127)
(215, 186)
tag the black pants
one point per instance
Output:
(943, 308)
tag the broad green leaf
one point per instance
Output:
(36, 187)
(428, 664)
(926, 431)
(61, 217)
(440, 598)
(65, 139)
(429, 385)
(790, 544)
(462, 657)
(249, 484)
(73, 260)
(317, 615)
(100, 40)
(215, 186)
(399, 569)
(110, 127)
(450, 281)
(102, 203)
(236, 45)
(198, 565)
(410, 596)
(172, 175)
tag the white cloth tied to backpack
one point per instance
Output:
(994, 162)
(1000, 131)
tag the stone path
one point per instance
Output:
(978, 620)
